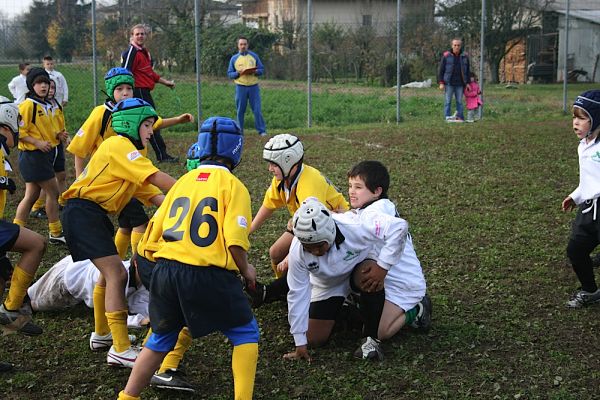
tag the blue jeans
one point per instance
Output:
(457, 92)
(243, 95)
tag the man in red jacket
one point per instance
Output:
(137, 59)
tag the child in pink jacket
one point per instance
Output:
(473, 98)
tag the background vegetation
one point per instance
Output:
(483, 202)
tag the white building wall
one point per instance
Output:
(349, 14)
(584, 47)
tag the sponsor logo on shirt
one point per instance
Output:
(312, 266)
(351, 255)
(596, 157)
(80, 132)
(242, 222)
(134, 155)
(203, 176)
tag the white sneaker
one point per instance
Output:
(103, 342)
(370, 349)
(124, 359)
(60, 239)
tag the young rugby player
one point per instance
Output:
(38, 160)
(15, 312)
(397, 296)
(293, 182)
(326, 249)
(204, 226)
(116, 172)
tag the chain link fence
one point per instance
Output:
(351, 44)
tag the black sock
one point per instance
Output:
(277, 290)
(371, 307)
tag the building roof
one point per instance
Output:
(592, 16)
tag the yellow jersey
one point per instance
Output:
(97, 128)
(204, 214)
(2, 192)
(309, 183)
(36, 122)
(116, 173)
(57, 115)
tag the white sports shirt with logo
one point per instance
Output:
(589, 172)
(312, 278)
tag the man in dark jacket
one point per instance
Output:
(453, 76)
(137, 60)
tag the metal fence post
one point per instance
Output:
(309, 63)
(398, 67)
(94, 58)
(565, 73)
(198, 85)
(481, 52)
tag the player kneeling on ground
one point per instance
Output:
(15, 311)
(204, 223)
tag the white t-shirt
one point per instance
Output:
(62, 89)
(18, 88)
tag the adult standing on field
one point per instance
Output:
(244, 68)
(453, 76)
(137, 60)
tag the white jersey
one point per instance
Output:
(312, 278)
(62, 89)
(589, 172)
(404, 283)
(77, 279)
(18, 88)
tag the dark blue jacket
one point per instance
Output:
(447, 68)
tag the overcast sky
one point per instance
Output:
(15, 7)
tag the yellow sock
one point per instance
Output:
(243, 363)
(19, 222)
(173, 358)
(125, 396)
(117, 322)
(100, 321)
(147, 336)
(19, 283)
(55, 228)
(40, 203)
(135, 239)
(122, 241)
(274, 267)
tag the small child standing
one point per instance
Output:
(18, 84)
(473, 99)
(585, 233)
(38, 160)
(116, 172)
(62, 89)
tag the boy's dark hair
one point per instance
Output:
(47, 58)
(375, 175)
(472, 75)
(22, 66)
(242, 38)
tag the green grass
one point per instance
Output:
(483, 202)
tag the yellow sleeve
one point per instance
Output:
(26, 128)
(152, 239)
(157, 124)
(88, 139)
(272, 199)
(130, 166)
(147, 192)
(237, 217)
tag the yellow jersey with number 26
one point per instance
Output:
(206, 212)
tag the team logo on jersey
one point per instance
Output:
(242, 221)
(80, 132)
(203, 176)
(350, 255)
(134, 155)
(313, 266)
(21, 122)
(596, 157)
